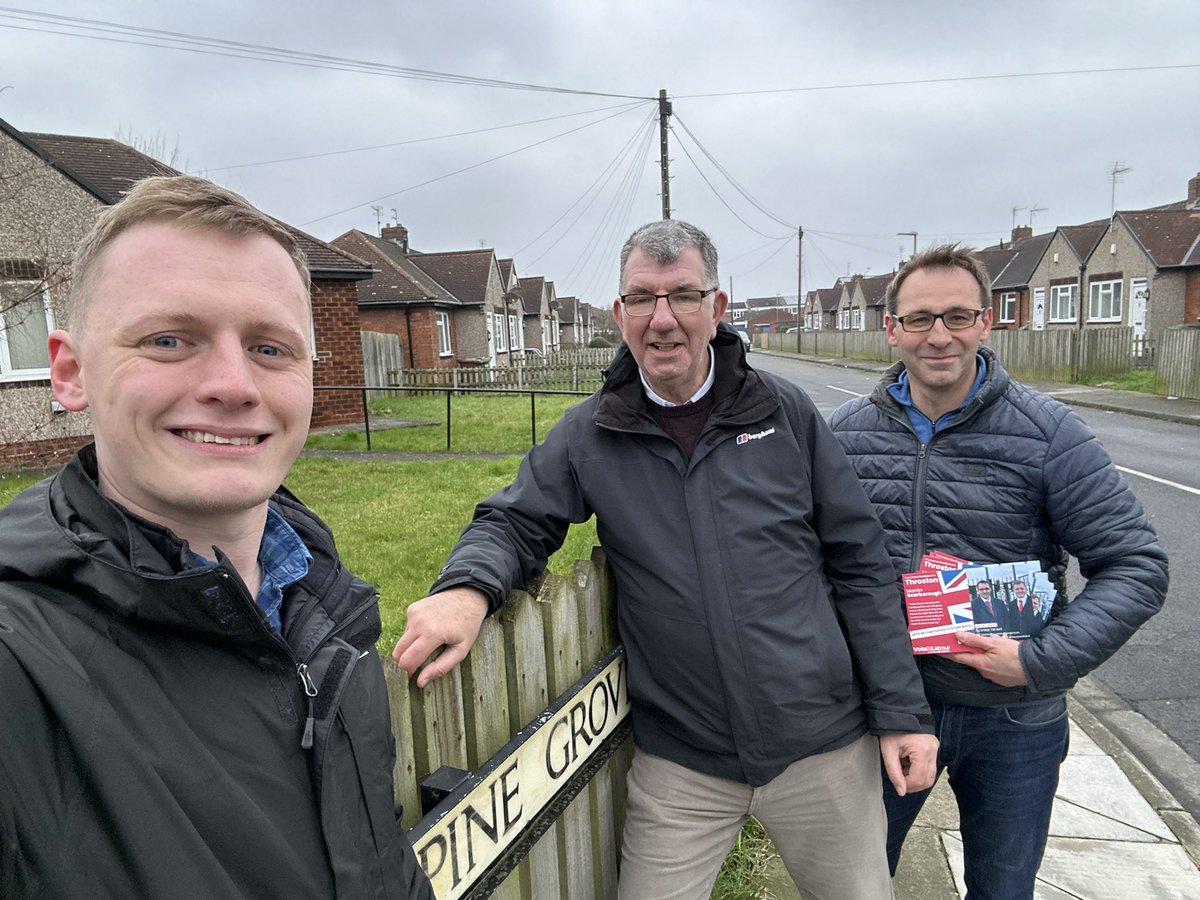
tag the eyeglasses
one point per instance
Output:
(953, 319)
(681, 302)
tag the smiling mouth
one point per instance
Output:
(207, 437)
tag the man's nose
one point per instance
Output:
(663, 318)
(228, 375)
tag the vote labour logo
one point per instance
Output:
(746, 437)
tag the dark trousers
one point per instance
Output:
(1002, 764)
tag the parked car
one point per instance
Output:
(745, 341)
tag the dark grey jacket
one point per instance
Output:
(157, 739)
(755, 601)
(1018, 476)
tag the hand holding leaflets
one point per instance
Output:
(949, 596)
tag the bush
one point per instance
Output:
(599, 342)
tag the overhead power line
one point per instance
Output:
(948, 80)
(413, 187)
(116, 32)
(436, 137)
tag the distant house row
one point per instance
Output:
(449, 309)
(460, 308)
(1139, 268)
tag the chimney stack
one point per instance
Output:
(1194, 192)
(397, 234)
(1022, 232)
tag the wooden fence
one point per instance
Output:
(571, 377)
(1051, 355)
(1178, 371)
(382, 354)
(529, 653)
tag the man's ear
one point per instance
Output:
(66, 372)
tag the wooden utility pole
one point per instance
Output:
(799, 278)
(664, 163)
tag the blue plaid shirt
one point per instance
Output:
(284, 560)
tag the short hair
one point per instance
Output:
(183, 200)
(943, 256)
(664, 241)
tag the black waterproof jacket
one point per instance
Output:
(755, 601)
(1017, 476)
(159, 739)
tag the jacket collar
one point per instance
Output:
(740, 396)
(994, 384)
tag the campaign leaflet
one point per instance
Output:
(948, 596)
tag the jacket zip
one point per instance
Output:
(306, 682)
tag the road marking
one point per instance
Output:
(843, 390)
(1174, 484)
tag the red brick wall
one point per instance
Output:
(40, 454)
(339, 352)
(424, 344)
(1191, 298)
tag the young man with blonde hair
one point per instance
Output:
(193, 704)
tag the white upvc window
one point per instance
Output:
(1062, 302)
(500, 331)
(858, 320)
(843, 320)
(1104, 301)
(514, 333)
(25, 323)
(1008, 306)
(443, 327)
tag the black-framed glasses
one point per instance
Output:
(681, 302)
(953, 319)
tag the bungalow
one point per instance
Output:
(54, 187)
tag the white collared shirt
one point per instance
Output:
(704, 388)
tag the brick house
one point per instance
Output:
(1054, 281)
(435, 327)
(574, 323)
(53, 187)
(538, 296)
(820, 308)
(867, 293)
(1011, 269)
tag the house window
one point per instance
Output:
(843, 320)
(1104, 301)
(25, 323)
(500, 331)
(514, 332)
(858, 320)
(1062, 302)
(1008, 307)
(443, 326)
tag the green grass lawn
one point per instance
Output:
(395, 522)
(487, 423)
(1140, 380)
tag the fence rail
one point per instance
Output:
(529, 653)
(1178, 371)
(569, 377)
(1051, 355)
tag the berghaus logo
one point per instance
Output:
(746, 437)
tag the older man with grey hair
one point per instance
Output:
(769, 666)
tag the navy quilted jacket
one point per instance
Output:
(1017, 476)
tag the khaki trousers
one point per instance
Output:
(824, 814)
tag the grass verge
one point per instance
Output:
(486, 423)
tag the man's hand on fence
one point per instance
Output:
(448, 621)
(910, 760)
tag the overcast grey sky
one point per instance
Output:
(855, 120)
